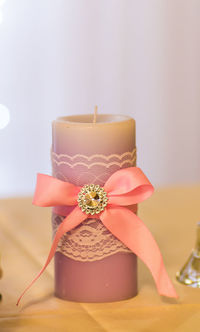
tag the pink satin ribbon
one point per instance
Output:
(125, 187)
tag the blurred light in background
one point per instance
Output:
(4, 116)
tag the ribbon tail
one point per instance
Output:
(70, 222)
(130, 230)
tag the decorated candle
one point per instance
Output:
(94, 193)
(91, 264)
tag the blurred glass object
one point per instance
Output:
(4, 116)
(190, 273)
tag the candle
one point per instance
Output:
(91, 265)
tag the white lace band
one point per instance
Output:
(89, 241)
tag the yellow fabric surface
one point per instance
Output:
(25, 236)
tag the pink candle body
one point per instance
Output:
(91, 265)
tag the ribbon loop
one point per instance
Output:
(54, 192)
(128, 186)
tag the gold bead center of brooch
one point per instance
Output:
(92, 199)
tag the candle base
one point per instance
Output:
(113, 278)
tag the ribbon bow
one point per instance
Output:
(125, 187)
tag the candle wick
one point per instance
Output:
(95, 114)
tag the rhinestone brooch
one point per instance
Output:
(92, 199)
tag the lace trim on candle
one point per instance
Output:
(88, 242)
(119, 160)
(89, 158)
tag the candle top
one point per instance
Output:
(77, 134)
(87, 119)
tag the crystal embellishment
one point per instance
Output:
(92, 199)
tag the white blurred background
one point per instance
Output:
(137, 57)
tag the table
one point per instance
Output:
(25, 236)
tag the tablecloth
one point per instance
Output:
(25, 236)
